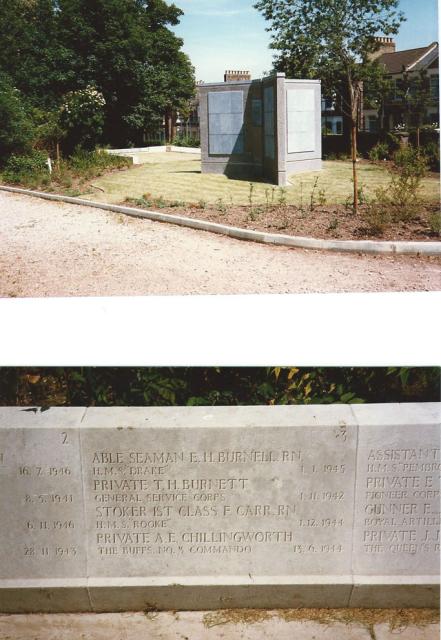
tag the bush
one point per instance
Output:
(379, 152)
(16, 128)
(435, 223)
(82, 118)
(89, 164)
(376, 213)
(403, 190)
(431, 152)
(399, 201)
(29, 170)
(410, 162)
(186, 141)
(133, 386)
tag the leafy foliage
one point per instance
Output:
(16, 129)
(82, 118)
(31, 170)
(332, 40)
(28, 169)
(215, 386)
(379, 152)
(186, 141)
(400, 200)
(54, 50)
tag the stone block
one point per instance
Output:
(225, 123)
(195, 507)
(225, 102)
(256, 113)
(226, 144)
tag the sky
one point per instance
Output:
(230, 34)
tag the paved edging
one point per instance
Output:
(358, 246)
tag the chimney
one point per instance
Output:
(236, 76)
(385, 45)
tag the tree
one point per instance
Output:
(333, 40)
(125, 49)
(16, 129)
(31, 52)
(122, 48)
(416, 95)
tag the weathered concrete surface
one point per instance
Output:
(258, 625)
(57, 249)
(128, 508)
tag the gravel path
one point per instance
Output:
(58, 249)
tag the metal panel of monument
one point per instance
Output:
(269, 128)
(107, 509)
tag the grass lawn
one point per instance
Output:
(177, 177)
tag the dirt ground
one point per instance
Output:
(325, 222)
(58, 249)
(215, 625)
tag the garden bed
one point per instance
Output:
(324, 222)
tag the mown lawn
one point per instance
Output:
(177, 176)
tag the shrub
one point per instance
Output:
(435, 223)
(16, 128)
(29, 170)
(431, 153)
(186, 141)
(89, 164)
(376, 213)
(410, 162)
(403, 190)
(399, 201)
(82, 118)
(379, 152)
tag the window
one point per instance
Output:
(332, 125)
(328, 104)
(434, 86)
(372, 124)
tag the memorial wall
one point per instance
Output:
(269, 128)
(196, 507)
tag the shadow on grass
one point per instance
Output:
(189, 171)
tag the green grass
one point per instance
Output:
(177, 177)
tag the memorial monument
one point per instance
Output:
(269, 128)
(217, 507)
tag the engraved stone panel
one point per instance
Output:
(219, 500)
(397, 506)
(256, 113)
(268, 123)
(261, 506)
(225, 122)
(42, 528)
(301, 120)
(225, 102)
(226, 144)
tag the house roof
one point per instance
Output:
(394, 62)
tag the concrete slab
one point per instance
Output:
(211, 507)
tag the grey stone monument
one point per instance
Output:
(197, 508)
(269, 128)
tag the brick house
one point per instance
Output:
(397, 65)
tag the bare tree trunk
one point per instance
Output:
(58, 156)
(168, 126)
(418, 137)
(354, 164)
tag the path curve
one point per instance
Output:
(58, 249)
